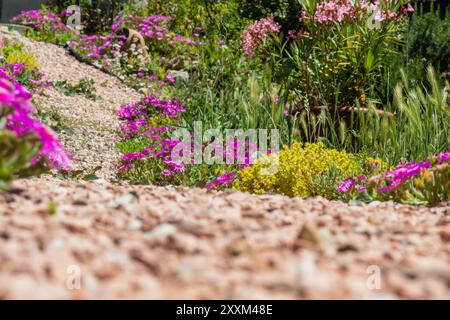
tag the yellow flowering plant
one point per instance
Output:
(299, 169)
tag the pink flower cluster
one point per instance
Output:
(137, 121)
(340, 10)
(255, 34)
(151, 28)
(42, 20)
(222, 180)
(17, 109)
(336, 10)
(392, 179)
(97, 47)
(14, 72)
(151, 105)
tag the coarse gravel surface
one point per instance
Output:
(84, 240)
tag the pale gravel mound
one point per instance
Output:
(152, 242)
(92, 125)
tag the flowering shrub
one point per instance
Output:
(21, 67)
(427, 181)
(19, 73)
(98, 47)
(297, 171)
(335, 57)
(145, 127)
(26, 144)
(46, 26)
(255, 34)
(152, 154)
(41, 20)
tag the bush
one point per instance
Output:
(426, 42)
(19, 66)
(27, 147)
(428, 38)
(336, 56)
(46, 26)
(98, 16)
(298, 171)
(15, 53)
(425, 182)
(285, 12)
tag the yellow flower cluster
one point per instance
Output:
(23, 58)
(294, 171)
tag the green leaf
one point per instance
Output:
(369, 60)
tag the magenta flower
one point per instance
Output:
(44, 21)
(221, 180)
(392, 179)
(347, 185)
(15, 101)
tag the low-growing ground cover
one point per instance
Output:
(28, 147)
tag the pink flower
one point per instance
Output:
(347, 185)
(255, 34)
(170, 78)
(166, 173)
(221, 180)
(19, 119)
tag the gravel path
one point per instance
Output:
(89, 127)
(74, 240)
(153, 242)
(92, 124)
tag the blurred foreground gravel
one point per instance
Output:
(71, 240)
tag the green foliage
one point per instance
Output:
(59, 38)
(16, 155)
(15, 53)
(98, 16)
(428, 38)
(85, 87)
(420, 126)
(426, 42)
(285, 12)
